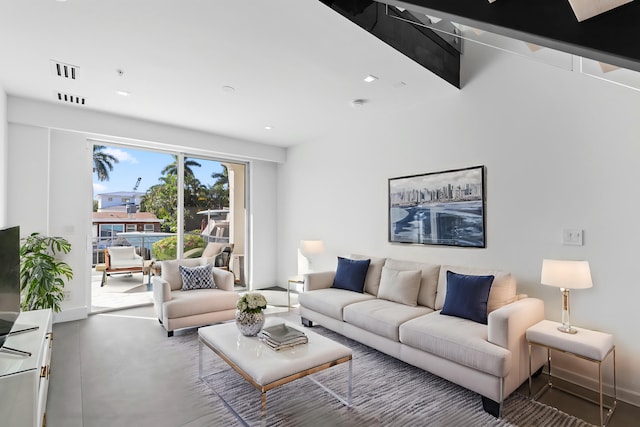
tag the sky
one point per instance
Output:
(147, 165)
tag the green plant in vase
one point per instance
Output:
(42, 276)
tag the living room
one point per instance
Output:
(560, 150)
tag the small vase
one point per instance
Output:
(249, 324)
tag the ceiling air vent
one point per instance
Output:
(66, 71)
(70, 99)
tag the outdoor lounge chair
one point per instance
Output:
(121, 259)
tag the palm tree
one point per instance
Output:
(219, 190)
(102, 162)
(222, 178)
(172, 169)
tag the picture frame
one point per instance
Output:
(439, 208)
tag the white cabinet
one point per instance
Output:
(24, 379)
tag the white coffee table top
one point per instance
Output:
(265, 365)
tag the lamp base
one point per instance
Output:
(567, 329)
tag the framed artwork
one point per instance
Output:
(439, 208)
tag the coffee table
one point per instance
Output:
(267, 369)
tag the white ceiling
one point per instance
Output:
(295, 65)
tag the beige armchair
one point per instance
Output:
(177, 308)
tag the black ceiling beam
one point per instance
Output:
(431, 49)
(612, 37)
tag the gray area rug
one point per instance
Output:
(386, 392)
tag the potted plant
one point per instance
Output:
(41, 274)
(249, 315)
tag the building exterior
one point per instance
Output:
(106, 225)
(118, 201)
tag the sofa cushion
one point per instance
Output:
(350, 274)
(400, 286)
(198, 301)
(429, 281)
(467, 296)
(456, 339)
(372, 281)
(382, 317)
(503, 289)
(200, 277)
(331, 301)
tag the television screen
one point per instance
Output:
(9, 280)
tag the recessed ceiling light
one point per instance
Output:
(123, 93)
(399, 85)
(358, 103)
(228, 88)
(370, 78)
(268, 127)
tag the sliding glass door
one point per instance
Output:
(167, 206)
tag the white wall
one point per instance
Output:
(263, 224)
(49, 186)
(561, 150)
(3, 158)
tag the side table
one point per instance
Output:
(588, 345)
(296, 280)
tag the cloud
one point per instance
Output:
(121, 155)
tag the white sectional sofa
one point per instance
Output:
(399, 313)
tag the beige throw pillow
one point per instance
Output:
(400, 286)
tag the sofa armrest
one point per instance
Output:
(318, 280)
(161, 289)
(161, 294)
(508, 324)
(223, 279)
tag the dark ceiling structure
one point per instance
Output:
(612, 37)
(403, 31)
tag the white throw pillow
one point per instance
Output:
(400, 286)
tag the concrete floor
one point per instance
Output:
(625, 415)
(90, 384)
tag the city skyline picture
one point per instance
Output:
(438, 208)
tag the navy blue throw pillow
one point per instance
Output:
(467, 296)
(350, 274)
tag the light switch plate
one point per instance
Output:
(572, 236)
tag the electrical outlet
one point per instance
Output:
(572, 236)
(67, 295)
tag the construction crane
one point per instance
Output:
(135, 187)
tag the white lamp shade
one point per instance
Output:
(566, 274)
(311, 247)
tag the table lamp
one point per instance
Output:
(306, 251)
(566, 275)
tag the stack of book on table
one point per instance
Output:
(282, 336)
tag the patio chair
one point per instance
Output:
(220, 253)
(120, 260)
